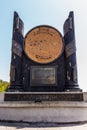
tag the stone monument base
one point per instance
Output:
(44, 111)
(43, 96)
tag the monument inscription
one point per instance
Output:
(38, 97)
(43, 75)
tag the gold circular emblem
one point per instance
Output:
(43, 44)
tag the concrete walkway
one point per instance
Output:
(41, 126)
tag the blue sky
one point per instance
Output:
(39, 12)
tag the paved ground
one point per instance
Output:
(41, 126)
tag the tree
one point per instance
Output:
(4, 85)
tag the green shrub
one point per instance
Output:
(3, 85)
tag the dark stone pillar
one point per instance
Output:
(17, 51)
(70, 55)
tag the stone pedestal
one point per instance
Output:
(44, 111)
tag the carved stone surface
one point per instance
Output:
(70, 54)
(17, 51)
(37, 97)
(70, 49)
(43, 61)
(18, 24)
(16, 48)
(43, 44)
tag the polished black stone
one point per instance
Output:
(60, 75)
(38, 97)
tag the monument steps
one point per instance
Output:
(44, 111)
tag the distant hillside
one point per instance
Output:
(3, 85)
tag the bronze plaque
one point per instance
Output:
(43, 76)
(43, 44)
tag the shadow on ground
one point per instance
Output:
(22, 124)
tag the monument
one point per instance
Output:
(43, 76)
(43, 60)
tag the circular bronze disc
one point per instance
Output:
(43, 44)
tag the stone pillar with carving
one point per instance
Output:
(17, 51)
(70, 54)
